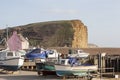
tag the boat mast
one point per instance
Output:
(6, 36)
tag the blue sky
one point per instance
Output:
(102, 17)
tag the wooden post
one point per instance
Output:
(117, 64)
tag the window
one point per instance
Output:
(62, 61)
(9, 54)
(16, 53)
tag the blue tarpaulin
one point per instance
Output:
(72, 61)
(36, 53)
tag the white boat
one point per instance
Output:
(65, 69)
(79, 53)
(53, 53)
(11, 60)
(13, 57)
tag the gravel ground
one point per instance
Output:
(28, 75)
(32, 75)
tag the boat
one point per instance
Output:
(76, 64)
(78, 53)
(41, 53)
(36, 53)
(46, 66)
(69, 67)
(11, 60)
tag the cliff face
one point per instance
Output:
(80, 39)
(55, 33)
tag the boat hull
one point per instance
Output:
(12, 64)
(71, 73)
(45, 68)
(64, 70)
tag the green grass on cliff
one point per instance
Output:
(50, 34)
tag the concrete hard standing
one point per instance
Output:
(26, 75)
(32, 75)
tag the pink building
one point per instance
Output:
(17, 42)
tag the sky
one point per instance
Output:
(102, 17)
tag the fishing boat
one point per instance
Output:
(77, 64)
(11, 60)
(12, 57)
(65, 68)
(45, 66)
(41, 53)
(78, 53)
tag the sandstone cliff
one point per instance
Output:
(71, 33)
(80, 39)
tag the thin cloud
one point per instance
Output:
(63, 11)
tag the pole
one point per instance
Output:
(99, 64)
(6, 36)
(7, 31)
